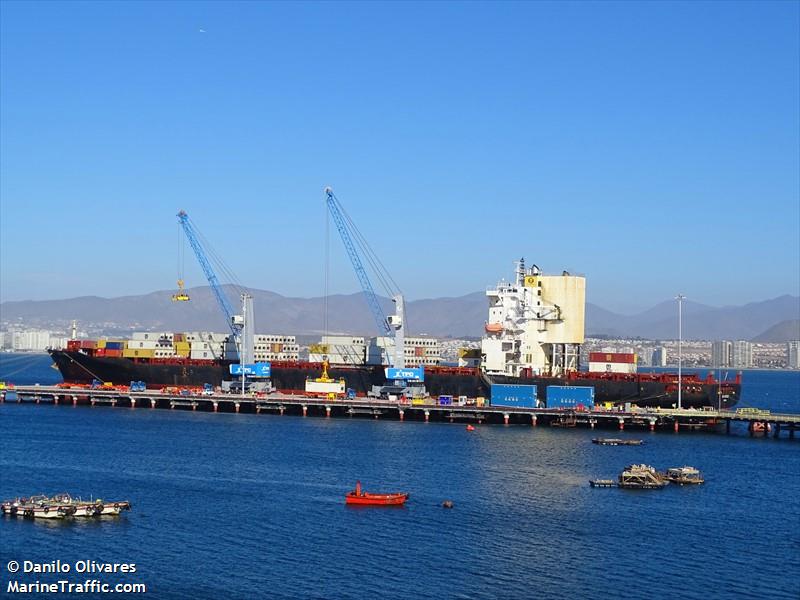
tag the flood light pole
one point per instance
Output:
(680, 298)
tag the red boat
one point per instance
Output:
(362, 498)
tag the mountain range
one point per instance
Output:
(774, 320)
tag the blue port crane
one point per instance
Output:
(194, 241)
(345, 225)
(393, 325)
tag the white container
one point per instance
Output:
(322, 387)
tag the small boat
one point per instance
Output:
(616, 442)
(92, 508)
(684, 476)
(60, 506)
(360, 497)
(40, 507)
(470, 428)
(602, 483)
(641, 477)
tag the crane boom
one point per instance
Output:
(194, 242)
(366, 285)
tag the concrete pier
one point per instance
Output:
(782, 426)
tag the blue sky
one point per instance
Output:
(652, 146)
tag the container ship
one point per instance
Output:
(533, 336)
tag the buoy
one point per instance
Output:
(447, 504)
(470, 428)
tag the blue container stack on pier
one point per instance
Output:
(515, 396)
(569, 396)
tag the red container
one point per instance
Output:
(612, 357)
(88, 344)
(73, 345)
(113, 352)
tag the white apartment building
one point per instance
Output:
(793, 354)
(742, 354)
(35, 340)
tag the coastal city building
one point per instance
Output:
(793, 354)
(32, 340)
(722, 354)
(659, 357)
(742, 354)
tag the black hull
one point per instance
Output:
(644, 390)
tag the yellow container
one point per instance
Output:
(101, 343)
(138, 353)
(480, 401)
(183, 353)
(418, 401)
(182, 346)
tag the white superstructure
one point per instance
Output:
(535, 324)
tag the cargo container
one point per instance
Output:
(101, 344)
(513, 396)
(114, 345)
(113, 352)
(325, 388)
(136, 353)
(569, 396)
(612, 357)
(445, 400)
(88, 344)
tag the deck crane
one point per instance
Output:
(392, 325)
(240, 325)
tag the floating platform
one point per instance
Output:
(602, 483)
(616, 442)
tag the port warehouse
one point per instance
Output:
(299, 405)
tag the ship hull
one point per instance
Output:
(652, 390)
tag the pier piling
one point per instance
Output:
(690, 420)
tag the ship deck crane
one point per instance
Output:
(393, 325)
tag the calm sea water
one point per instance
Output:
(251, 506)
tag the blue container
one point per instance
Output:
(569, 396)
(114, 345)
(445, 400)
(513, 396)
(407, 374)
(254, 370)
